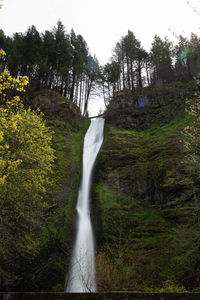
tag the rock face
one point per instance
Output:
(142, 108)
(56, 107)
(147, 193)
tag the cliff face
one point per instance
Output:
(149, 106)
(55, 107)
(147, 192)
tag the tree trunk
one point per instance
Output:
(147, 72)
(132, 77)
(73, 85)
(139, 75)
(87, 98)
(123, 76)
(190, 77)
(128, 74)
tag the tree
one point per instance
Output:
(62, 57)
(182, 64)
(54, 60)
(15, 61)
(47, 64)
(80, 53)
(26, 161)
(112, 73)
(161, 56)
(92, 75)
(187, 56)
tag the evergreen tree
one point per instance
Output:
(53, 60)
(161, 57)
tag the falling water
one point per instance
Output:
(82, 272)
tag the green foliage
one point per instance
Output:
(27, 164)
(26, 161)
(112, 72)
(161, 55)
(52, 60)
(170, 287)
(132, 67)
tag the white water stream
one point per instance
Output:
(82, 271)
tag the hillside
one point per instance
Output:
(36, 258)
(147, 192)
(141, 195)
(145, 197)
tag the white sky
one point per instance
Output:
(103, 22)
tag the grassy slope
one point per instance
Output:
(149, 214)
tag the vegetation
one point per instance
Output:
(54, 60)
(38, 189)
(61, 61)
(47, 270)
(146, 186)
(132, 67)
(26, 163)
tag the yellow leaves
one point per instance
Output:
(13, 165)
(1, 136)
(26, 141)
(7, 166)
(2, 52)
(7, 82)
(2, 180)
(26, 160)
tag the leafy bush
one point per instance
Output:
(26, 161)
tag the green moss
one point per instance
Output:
(109, 198)
(148, 210)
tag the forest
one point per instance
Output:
(62, 62)
(145, 193)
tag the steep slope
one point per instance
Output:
(148, 196)
(42, 265)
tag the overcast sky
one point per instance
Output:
(103, 22)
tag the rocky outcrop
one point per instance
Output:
(149, 106)
(56, 107)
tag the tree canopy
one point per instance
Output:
(54, 59)
(131, 66)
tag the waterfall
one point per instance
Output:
(82, 271)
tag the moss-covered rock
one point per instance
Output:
(149, 210)
(149, 106)
(55, 107)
